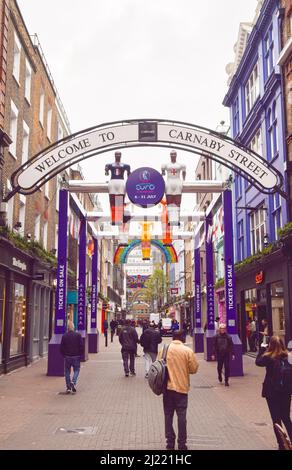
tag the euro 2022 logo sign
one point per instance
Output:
(145, 187)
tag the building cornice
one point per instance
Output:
(250, 51)
(286, 53)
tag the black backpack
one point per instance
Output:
(282, 376)
(158, 374)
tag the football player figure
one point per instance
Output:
(116, 188)
(173, 187)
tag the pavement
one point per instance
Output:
(110, 411)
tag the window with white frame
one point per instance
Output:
(47, 190)
(60, 132)
(16, 57)
(268, 53)
(25, 143)
(21, 217)
(256, 142)
(42, 107)
(252, 88)
(45, 235)
(240, 240)
(37, 228)
(257, 229)
(236, 117)
(10, 207)
(28, 76)
(277, 214)
(272, 124)
(13, 128)
(49, 123)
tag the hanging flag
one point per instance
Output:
(90, 247)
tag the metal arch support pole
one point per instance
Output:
(198, 337)
(55, 359)
(93, 335)
(236, 365)
(81, 315)
(209, 337)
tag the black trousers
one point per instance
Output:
(224, 360)
(112, 335)
(279, 406)
(174, 401)
(126, 355)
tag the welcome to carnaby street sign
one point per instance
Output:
(145, 132)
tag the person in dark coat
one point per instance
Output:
(222, 349)
(113, 325)
(150, 340)
(105, 329)
(129, 339)
(72, 349)
(278, 400)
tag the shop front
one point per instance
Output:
(16, 268)
(264, 301)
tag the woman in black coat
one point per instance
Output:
(279, 400)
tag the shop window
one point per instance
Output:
(36, 317)
(277, 301)
(18, 319)
(2, 312)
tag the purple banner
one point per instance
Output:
(81, 322)
(145, 187)
(229, 264)
(61, 291)
(209, 274)
(198, 306)
(94, 286)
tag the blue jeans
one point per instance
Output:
(72, 361)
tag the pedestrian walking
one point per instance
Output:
(129, 339)
(264, 333)
(149, 340)
(222, 349)
(113, 325)
(72, 349)
(105, 329)
(181, 362)
(278, 397)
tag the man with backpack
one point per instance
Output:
(181, 362)
(149, 340)
(129, 339)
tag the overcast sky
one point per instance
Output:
(127, 59)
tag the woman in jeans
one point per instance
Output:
(279, 401)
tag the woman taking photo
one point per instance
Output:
(278, 398)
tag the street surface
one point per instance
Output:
(110, 411)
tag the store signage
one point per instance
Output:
(145, 187)
(259, 279)
(19, 264)
(51, 161)
(174, 290)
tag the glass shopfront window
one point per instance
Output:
(277, 301)
(251, 304)
(18, 319)
(2, 311)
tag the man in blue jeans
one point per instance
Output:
(71, 348)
